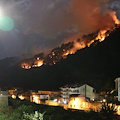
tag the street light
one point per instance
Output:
(104, 100)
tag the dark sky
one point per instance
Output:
(41, 25)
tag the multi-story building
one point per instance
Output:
(85, 90)
(39, 96)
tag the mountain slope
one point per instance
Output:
(97, 65)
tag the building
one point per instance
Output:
(19, 93)
(79, 102)
(50, 93)
(40, 96)
(4, 98)
(117, 86)
(85, 90)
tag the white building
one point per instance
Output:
(85, 90)
(117, 87)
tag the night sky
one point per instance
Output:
(41, 25)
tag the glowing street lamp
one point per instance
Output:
(104, 100)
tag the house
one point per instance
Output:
(79, 103)
(85, 90)
(39, 97)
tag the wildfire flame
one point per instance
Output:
(38, 63)
(25, 65)
(70, 48)
(114, 17)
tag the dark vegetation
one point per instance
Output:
(18, 108)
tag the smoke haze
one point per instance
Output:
(42, 25)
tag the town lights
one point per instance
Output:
(13, 96)
(21, 97)
(104, 100)
(65, 102)
(55, 100)
(36, 99)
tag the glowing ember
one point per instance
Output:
(38, 63)
(102, 35)
(25, 66)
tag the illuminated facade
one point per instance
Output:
(85, 90)
(20, 93)
(79, 102)
(50, 93)
(88, 91)
(40, 96)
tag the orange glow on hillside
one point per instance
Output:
(70, 48)
(102, 35)
(25, 66)
(38, 63)
(113, 14)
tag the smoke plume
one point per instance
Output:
(85, 22)
(64, 21)
(41, 25)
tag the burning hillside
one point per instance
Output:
(54, 56)
(102, 24)
(65, 49)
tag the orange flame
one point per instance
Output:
(114, 17)
(38, 63)
(56, 55)
(25, 66)
(102, 35)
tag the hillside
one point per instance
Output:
(97, 65)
